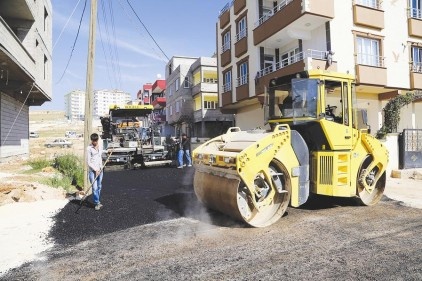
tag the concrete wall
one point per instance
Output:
(14, 127)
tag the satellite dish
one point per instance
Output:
(158, 76)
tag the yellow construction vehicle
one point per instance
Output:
(254, 175)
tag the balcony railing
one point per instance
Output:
(227, 87)
(226, 46)
(415, 13)
(226, 7)
(375, 4)
(266, 16)
(315, 54)
(370, 60)
(242, 80)
(242, 34)
(417, 67)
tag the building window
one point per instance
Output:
(45, 67)
(171, 90)
(45, 18)
(291, 57)
(243, 74)
(369, 3)
(226, 42)
(171, 109)
(241, 29)
(210, 104)
(177, 106)
(170, 69)
(369, 52)
(227, 86)
(177, 84)
(417, 59)
(186, 83)
(415, 9)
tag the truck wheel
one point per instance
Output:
(368, 190)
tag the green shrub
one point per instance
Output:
(60, 181)
(40, 163)
(71, 167)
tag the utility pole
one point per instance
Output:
(89, 87)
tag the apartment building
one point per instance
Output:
(380, 42)
(75, 103)
(25, 69)
(192, 98)
(104, 98)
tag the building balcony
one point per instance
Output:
(368, 15)
(416, 76)
(414, 23)
(226, 98)
(226, 56)
(242, 89)
(241, 45)
(225, 14)
(299, 14)
(18, 9)
(210, 115)
(159, 86)
(210, 86)
(238, 6)
(159, 103)
(311, 59)
(370, 70)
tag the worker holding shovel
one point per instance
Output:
(95, 173)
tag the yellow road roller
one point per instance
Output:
(316, 142)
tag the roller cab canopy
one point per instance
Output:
(130, 110)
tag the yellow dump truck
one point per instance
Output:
(309, 148)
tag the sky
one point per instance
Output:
(126, 57)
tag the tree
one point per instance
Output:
(392, 113)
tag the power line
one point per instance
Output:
(110, 6)
(129, 16)
(152, 37)
(105, 55)
(67, 22)
(74, 43)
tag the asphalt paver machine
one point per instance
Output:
(132, 139)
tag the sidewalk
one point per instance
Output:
(406, 190)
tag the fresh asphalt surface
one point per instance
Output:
(130, 198)
(153, 228)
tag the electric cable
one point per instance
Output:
(74, 43)
(67, 22)
(149, 33)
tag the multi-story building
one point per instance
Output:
(158, 101)
(380, 42)
(74, 105)
(145, 93)
(208, 121)
(192, 97)
(25, 69)
(104, 98)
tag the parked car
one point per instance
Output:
(34, 135)
(72, 134)
(59, 142)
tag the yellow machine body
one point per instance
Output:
(254, 175)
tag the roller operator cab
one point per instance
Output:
(318, 143)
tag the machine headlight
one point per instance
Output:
(229, 160)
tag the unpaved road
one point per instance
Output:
(152, 228)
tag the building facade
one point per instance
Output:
(380, 42)
(104, 98)
(75, 103)
(192, 99)
(25, 69)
